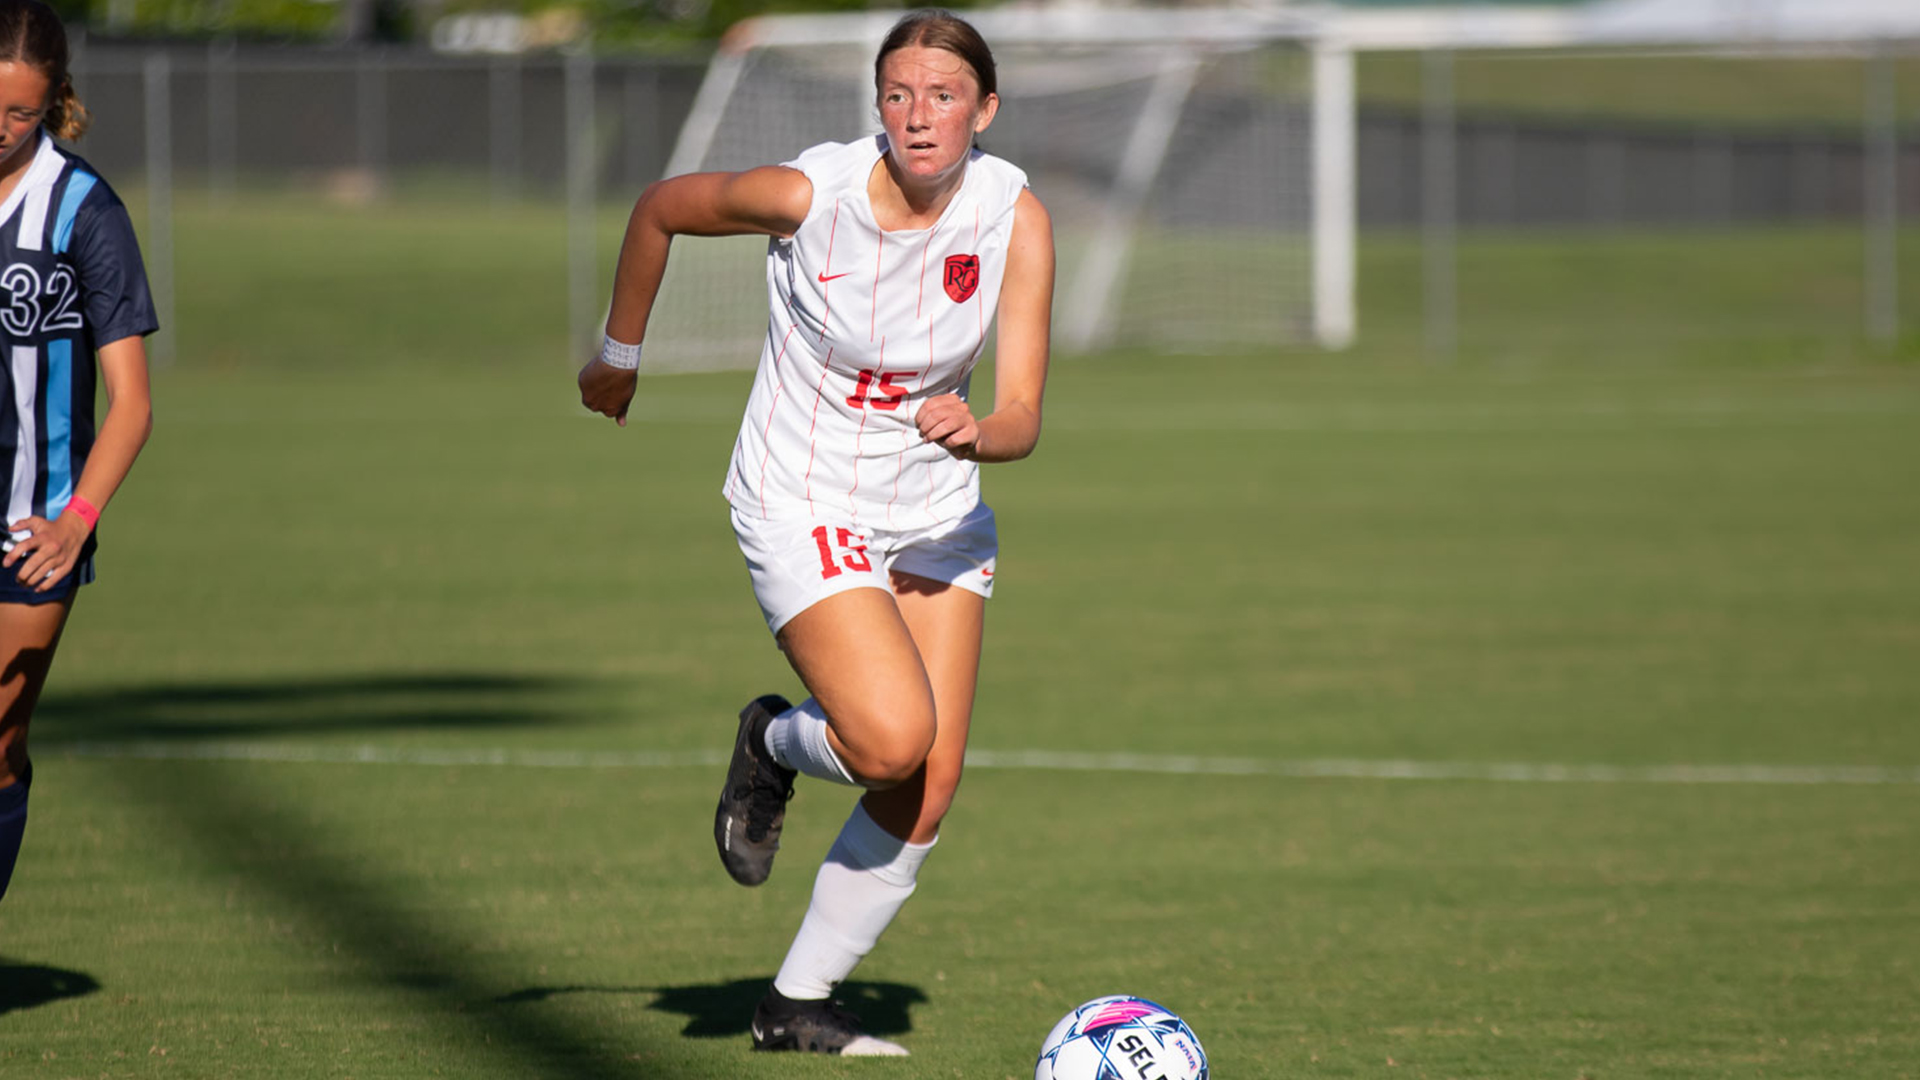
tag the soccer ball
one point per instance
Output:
(1121, 1037)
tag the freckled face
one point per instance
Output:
(931, 107)
(24, 95)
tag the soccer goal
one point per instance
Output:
(1198, 166)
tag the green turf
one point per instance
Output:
(340, 289)
(368, 531)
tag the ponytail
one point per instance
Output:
(67, 118)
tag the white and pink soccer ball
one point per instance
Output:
(1121, 1037)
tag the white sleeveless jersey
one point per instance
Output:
(865, 326)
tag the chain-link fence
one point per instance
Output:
(1476, 171)
(252, 117)
(1723, 193)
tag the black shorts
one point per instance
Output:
(13, 592)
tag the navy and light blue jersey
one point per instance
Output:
(71, 280)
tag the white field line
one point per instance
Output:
(1043, 760)
(1477, 418)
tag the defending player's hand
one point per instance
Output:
(44, 559)
(946, 420)
(607, 390)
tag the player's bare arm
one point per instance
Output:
(50, 553)
(1010, 432)
(771, 200)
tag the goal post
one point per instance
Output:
(1335, 197)
(1197, 163)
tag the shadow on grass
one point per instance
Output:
(25, 986)
(374, 703)
(239, 826)
(726, 1009)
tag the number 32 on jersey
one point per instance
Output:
(36, 306)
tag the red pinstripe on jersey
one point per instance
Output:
(813, 425)
(826, 276)
(769, 450)
(921, 294)
(907, 438)
(899, 468)
(879, 253)
(878, 370)
(980, 343)
(930, 355)
(979, 308)
(771, 409)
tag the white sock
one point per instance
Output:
(867, 875)
(797, 739)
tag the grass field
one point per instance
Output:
(1378, 715)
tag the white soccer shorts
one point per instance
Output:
(797, 562)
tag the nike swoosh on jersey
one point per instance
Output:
(826, 277)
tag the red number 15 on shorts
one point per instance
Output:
(850, 546)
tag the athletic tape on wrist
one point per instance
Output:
(619, 354)
(88, 512)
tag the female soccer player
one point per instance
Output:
(855, 480)
(71, 287)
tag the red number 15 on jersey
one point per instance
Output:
(880, 394)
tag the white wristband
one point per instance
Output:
(619, 355)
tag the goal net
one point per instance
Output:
(1173, 150)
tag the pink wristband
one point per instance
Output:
(88, 512)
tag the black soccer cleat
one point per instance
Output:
(814, 1027)
(753, 804)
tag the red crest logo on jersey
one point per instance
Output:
(963, 276)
